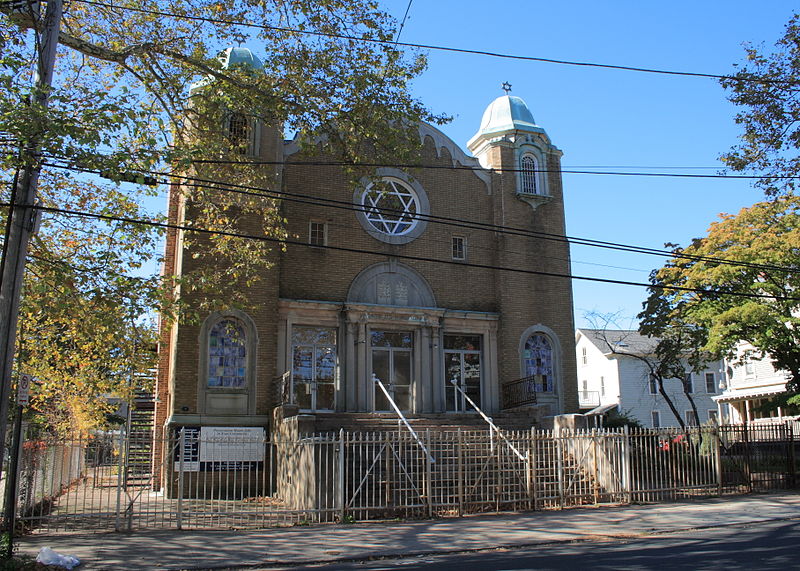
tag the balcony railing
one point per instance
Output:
(519, 392)
(588, 399)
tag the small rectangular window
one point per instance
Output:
(749, 370)
(584, 358)
(459, 248)
(653, 386)
(711, 383)
(656, 417)
(713, 416)
(317, 233)
(602, 386)
(691, 418)
(688, 385)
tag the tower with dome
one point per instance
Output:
(443, 283)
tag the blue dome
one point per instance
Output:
(505, 113)
(240, 56)
(229, 58)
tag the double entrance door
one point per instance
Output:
(392, 364)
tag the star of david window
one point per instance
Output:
(391, 206)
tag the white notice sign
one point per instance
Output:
(231, 444)
(23, 390)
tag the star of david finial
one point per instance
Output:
(506, 87)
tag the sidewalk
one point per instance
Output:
(171, 549)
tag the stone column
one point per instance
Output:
(363, 381)
(437, 382)
(491, 376)
(424, 384)
(349, 388)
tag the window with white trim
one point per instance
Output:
(655, 418)
(602, 386)
(653, 384)
(711, 383)
(584, 358)
(713, 416)
(459, 246)
(691, 418)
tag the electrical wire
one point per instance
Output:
(482, 169)
(287, 242)
(220, 186)
(433, 46)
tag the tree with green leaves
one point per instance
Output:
(739, 283)
(766, 91)
(121, 110)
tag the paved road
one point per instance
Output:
(634, 529)
(762, 547)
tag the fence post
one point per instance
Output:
(120, 470)
(560, 460)
(595, 483)
(532, 459)
(181, 454)
(429, 473)
(627, 484)
(340, 495)
(718, 457)
(747, 466)
(460, 449)
(791, 458)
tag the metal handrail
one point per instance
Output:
(375, 379)
(492, 425)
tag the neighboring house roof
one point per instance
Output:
(620, 341)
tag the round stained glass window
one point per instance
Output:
(391, 206)
(392, 209)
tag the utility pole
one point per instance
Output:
(22, 212)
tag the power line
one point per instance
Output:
(283, 241)
(450, 221)
(433, 46)
(483, 169)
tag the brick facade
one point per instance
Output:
(307, 283)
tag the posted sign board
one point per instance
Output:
(217, 448)
(23, 390)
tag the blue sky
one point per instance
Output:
(606, 118)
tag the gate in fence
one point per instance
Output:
(238, 478)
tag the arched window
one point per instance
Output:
(239, 132)
(227, 355)
(538, 359)
(528, 175)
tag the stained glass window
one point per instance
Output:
(227, 355)
(538, 358)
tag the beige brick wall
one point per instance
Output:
(308, 273)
